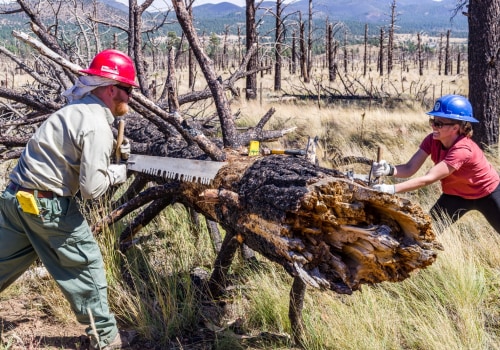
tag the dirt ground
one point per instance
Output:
(23, 325)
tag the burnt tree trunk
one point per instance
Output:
(419, 55)
(309, 41)
(345, 51)
(294, 54)
(381, 53)
(303, 50)
(331, 55)
(280, 33)
(484, 68)
(390, 44)
(251, 36)
(447, 59)
(365, 53)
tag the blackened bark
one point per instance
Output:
(484, 68)
(297, 294)
(420, 56)
(280, 33)
(303, 52)
(381, 53)
(390, 44)
(251, 40)
(365, 53)
(447, 59)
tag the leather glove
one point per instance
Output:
(382, 168)
(385, 188)
(125, 149)
(117, 174)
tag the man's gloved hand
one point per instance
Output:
(385, 188)
(382, 168)
(117, 174)
(125, 149)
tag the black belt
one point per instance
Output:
(39, 194)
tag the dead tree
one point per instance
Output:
(447, 59)
(251, 40)
(294, 53)
(440, 54)
(303, 50)
(365, 52)
(191, 61)
(345, 51)
(331, 54)
(484, 67)
(419, 55)
(309, 41)
(280, 39)
(381, 53)
(390, 43)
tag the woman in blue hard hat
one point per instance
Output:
(468, 180)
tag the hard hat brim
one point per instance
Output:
(462, 118)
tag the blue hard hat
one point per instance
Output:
(453, 107)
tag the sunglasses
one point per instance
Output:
(128, 89)
(437, 124)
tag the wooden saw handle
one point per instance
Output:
(379, 158)
(119, 140)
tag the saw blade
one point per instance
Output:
(179, 169)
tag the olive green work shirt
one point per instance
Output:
(70, 151)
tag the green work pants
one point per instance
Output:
(61, 237)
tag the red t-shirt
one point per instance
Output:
(474, 177)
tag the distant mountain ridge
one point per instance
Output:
(430, 17)
(411, 14)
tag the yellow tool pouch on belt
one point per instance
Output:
(27, 202)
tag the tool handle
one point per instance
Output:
(379, 158)
(291, 152)
(119, 140)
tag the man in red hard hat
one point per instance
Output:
(39, 214)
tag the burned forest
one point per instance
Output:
(328, 230)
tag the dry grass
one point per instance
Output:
(451, 305)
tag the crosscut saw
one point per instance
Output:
(180, 169)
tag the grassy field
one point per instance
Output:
(453, 304)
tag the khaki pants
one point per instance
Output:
(61, 237)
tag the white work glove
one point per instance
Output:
(382, 168)
(385, 188)
(125, 149)
(117, 174)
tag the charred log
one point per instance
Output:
(320, 226)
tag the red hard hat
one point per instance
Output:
(113, 64)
